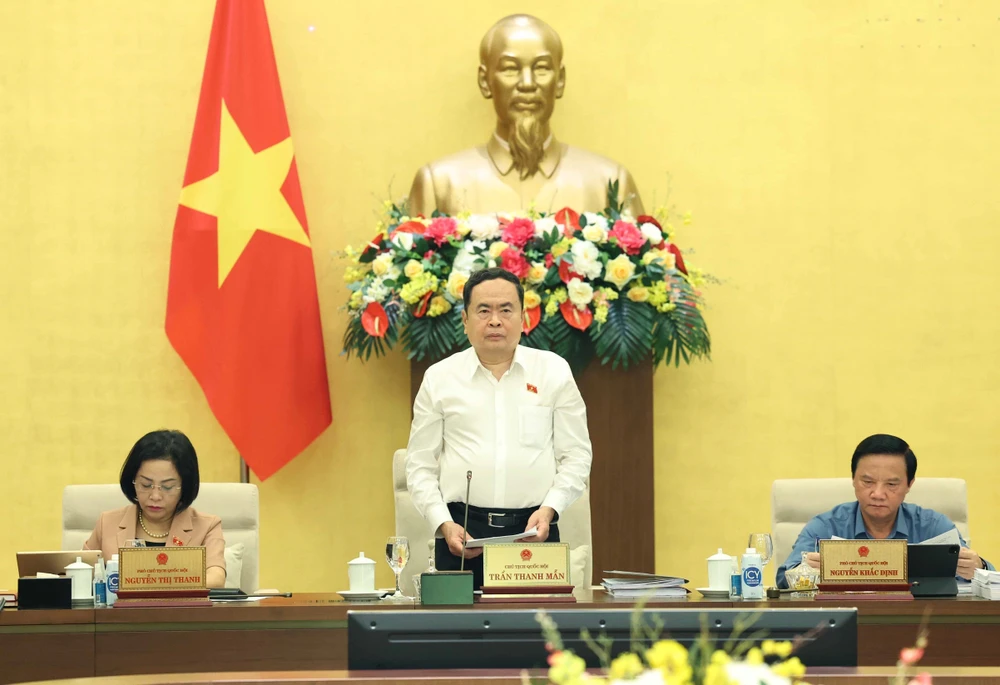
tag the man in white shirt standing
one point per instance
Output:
(510, 414)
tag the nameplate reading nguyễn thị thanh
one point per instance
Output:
(161, 568)
(519, 564)
(855, 562)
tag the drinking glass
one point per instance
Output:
(397, 553)
(763, 544)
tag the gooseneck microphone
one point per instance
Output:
(465, 523)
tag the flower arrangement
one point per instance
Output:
(604, 284)
(669, 662)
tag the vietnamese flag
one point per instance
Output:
(242, 308)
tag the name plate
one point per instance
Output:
(161, 568)
(853, 562)
(519, 564)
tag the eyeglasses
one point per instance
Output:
(149, 487)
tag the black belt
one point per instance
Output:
(495, 518)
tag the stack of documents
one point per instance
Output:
(986, 584)
(635, 585)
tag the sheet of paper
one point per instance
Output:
(473, 544)
(949, 538)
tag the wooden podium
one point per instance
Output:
(620, 419)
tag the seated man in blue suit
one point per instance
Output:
(883, 468)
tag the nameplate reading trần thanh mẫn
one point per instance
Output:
(519, 564)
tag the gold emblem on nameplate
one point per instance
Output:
(161, 568)
(854, 562)
(535, 564)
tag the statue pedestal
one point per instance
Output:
(620, 419)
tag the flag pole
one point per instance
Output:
(244, 471)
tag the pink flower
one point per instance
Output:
(441, 229)
(549, 260)
(921, 679)
(630, 238)
(518, 232)
(911, 655)
(514, 262)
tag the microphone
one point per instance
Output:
(465, 523)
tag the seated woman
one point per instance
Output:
(160, 475)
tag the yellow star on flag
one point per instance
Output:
(245, 194)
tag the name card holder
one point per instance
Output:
(527, 572)
(162, 577)
(863, 569)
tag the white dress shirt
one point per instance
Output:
(524, 437)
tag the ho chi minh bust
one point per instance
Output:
(521, 70)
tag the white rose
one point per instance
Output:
(586, 259)
(403, 241)
(595, 234)
(484, 227)
(652, 233)
(464, 262)
(579, 293)
(544, 226)
(376, 291)
(596, 220)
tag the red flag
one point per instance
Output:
(242, 308)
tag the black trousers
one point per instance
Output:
(514, 520)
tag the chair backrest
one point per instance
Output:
(795, 501)
(237, 504)
(574, 528)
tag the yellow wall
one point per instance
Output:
(840, 160)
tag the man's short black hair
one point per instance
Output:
(881, 443)
(491, 274)
(171, 445)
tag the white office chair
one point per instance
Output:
(237, 504)
(795, 501)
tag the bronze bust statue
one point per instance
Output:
(522, 163)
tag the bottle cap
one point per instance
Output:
(114, 557)
(362, 559)
(719, 556)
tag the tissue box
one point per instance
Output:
(446, 588)
(44, 593)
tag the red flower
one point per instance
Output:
(647, 219)
(579, 319)
(678, 258)
(408, 227)
(518, 232)
(911, 655)
(549, 261)
(441, 229)
(569, 220)
(422, 305)
(514, 262)
(566, 273)
(921, 679)
(374, 320)
(372, 248)
(531, 319)
(629, 237)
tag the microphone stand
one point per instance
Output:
(465, 523)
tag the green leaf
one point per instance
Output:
(430, 337)
(627, 336)
(571, 344)
(358, 342)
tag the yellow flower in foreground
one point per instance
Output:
(781, 649)
(497, 248)
(382, 264)
(438, 306)
(353, 273)
(536, 274)
(418, 287)
(638, 294)
(601, 312)
(413, 269)
(792, 669)
(556, 298)
(716, 674)
(625, 667)
(754, 657)
(619, 271)
(456, 284)
(356, 300)
(670, 657)
(565, 668)
(560, 248)
(531, 299)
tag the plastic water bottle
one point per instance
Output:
(112, 580)
(735, 581)
(100, 586)
(753, 575)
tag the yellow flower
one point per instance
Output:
(715, 674)
(638, 294)
(720, 657)
(565, 668)
(781, 649)
(625, 667)
(754, 657)
(382, 264)
(696, 277)
(418, 287)
(456, 283)
(601, 312)
(356, 300)
(560, 248)
(413, 269)
(536, 274)
(352, 274)
(556, 298)
(666, 257)
(609, 294)
(670, 657)
(595, 233)
(792, 669)
(438, 306)
(619, 271)
(497, 248)
(531, 299)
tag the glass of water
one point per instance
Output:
(397, 553)
(764, 545)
